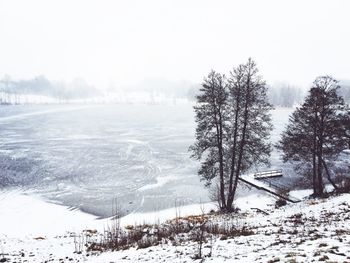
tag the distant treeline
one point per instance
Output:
(278, 95)
(41, 90)
(288, 96)
(284, 95)
(344, 91)
(13, 90)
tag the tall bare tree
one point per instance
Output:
(211, 119)
(250, 124)
(233, 127)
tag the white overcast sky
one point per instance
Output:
(126, 42)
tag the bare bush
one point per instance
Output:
(200, 229)
(345, 185)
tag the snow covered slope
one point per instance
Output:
(311, 231)
(316, 230)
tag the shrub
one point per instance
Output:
(280, 202)
(345, 185)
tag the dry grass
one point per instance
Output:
(196, 228)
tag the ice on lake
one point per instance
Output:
(85, 155)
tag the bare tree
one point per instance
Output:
(250, 124)
(211, 118)
(233, 126)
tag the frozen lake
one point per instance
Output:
(84, 156)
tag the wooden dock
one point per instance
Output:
(258, 180)
(268, 174)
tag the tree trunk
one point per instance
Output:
(320, 168)
(222, 184)
(320, 148)
(329, 175)
(314, 173)
(234, 153)
(242, 144)
(221, 161)
(218, 125)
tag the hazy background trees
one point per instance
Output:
(285, 95)
(279, 94)
(344, 90)
(152, 91)
(40, 85)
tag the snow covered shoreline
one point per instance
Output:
(26, 215)
(32, 230)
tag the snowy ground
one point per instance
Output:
(34, 230)
(311, 230)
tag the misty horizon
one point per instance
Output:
(127, 45)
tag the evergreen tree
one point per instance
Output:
(313, 137)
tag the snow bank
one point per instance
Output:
(33, 230)
(23, 215)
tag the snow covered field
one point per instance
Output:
(310, 231)
(33, 230)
